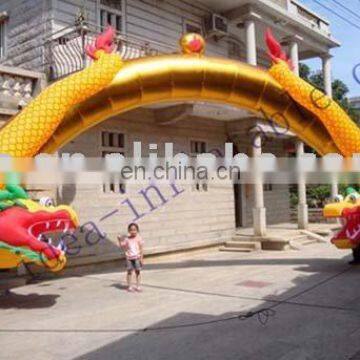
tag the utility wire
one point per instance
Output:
(333, 21)
(346, 9)
(336, 14)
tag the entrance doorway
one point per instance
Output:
(239, 211)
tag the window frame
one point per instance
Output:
(187, 22)
(267, 187)
(113, 11)
(112, 188)
(110, 148)
(198, 141)
(199, 186)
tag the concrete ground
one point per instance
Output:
(314, 292)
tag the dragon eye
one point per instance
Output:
(353, 198)
(338, 198)
(46, 201)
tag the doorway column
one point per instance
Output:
(294, 55)
(303, 216)
(250, 31)
(259, 211)
(326, 64)
(302, 210)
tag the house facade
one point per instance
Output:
(46, 39)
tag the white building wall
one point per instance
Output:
(188, 219)
(148, 20)
(27, 25)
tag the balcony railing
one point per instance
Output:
(17, 88)
(282, 3)
(308, 16)
(65, 51)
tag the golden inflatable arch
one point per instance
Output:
(111, 86)
(192, 77)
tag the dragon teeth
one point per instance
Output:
(61, 246)
(44, 238)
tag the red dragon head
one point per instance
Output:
(349, 235)
(24, 226)
(348, 210)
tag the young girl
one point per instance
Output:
(133, 248)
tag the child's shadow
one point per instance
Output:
(119, 286)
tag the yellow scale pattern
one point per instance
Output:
(342, 129)
(29, 131)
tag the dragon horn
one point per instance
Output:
(275, 50)
(273, 46)
(104, 42)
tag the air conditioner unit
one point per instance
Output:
(216, 25)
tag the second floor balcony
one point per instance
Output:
(65, 50)
(281, 10)
(308, 16)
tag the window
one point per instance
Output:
(268, 187)
(112, 13)
(190, 27)
(197, 147)
(112, 140)
(200, 186)
(113, 143)
(2, 39)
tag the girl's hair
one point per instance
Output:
(133, 224)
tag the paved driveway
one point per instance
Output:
(314, 292)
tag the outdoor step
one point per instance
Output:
(236, 249)
(241, 246)
(315, 237)
(300, 237)
(303, 241)
(245, 238)
(273, 243)
(322, 232)
(309, 242)
(252, 245)
(298, 245)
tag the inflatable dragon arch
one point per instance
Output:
(111, 86)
